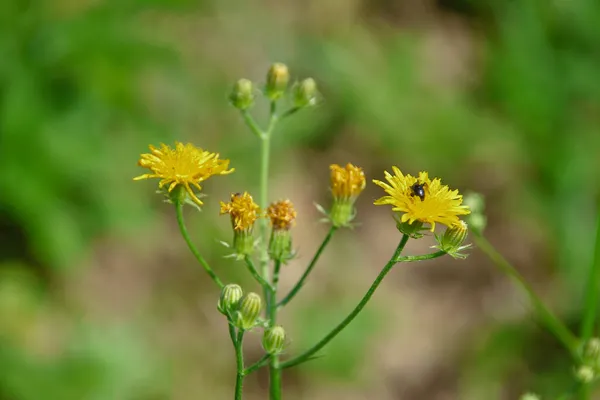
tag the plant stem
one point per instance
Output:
(275, 283)
(252, 124)
(266, 286)
(591, 298)
(421, 257)
(274, 370)
(555, 325)
(239, 357)
(591, 303)
(363, 302)
(193, 249)
(308, 270)
(260, 363)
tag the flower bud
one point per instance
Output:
(280, 246)
(242, 95)
(274, 340)
(477, 219)
(585, 374)
(277, 81)
(451, 241)
(592, 349)
(248, 311)
(305, 93)
(230, 298)
(529, 396)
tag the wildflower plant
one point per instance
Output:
(419, 204)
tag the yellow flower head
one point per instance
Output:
(184, 165)
(422, 199)
(282, 214)
(346, 182)
(243, 210)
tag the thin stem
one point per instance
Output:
(555, 325)
(421, 257)
(591, 304)
(239, 357)
(276, 280)
(193, 249)
(256, 275)
(363, 302)
(308, 270)
(289, 112)
(274, 370)
(260, 363)
(252, 124)
(591, 298)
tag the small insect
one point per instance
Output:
(418, 189)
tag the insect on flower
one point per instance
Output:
(418, 189)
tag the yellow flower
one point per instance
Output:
(243, 210)
(184, 165)
(282, 214)
(346, 182)
(435, 204)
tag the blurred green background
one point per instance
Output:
(99, 297)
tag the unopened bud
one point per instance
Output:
(274, 340)
(277, 81)
(305, 93)
(477, 219)
(585, 374)
(242, 95)
(530, 396)
(592, 349)
(230, 298)
(248, 311)
(451, 241)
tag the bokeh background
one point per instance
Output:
(99, 297)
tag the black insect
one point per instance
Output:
(418, 189)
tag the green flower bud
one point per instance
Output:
(280, 245)
(477, 219)
(277, 81)
(585, 374)
(242, 95)
(243, 243)
(305, 93)
(592, 349)
(529, 396)
(451, 241)
(230, 298)
(274, 339)
(248, 311)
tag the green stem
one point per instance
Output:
(591, 303)
(363, 302)
(421, 257)
(276, 282)
(260, 363)
(275, 386)
(591, 298)
(239, 357)
(193, 249)
(289, 112)
(266, 286)
(555, 325)
(252, 124)
(308, 270)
